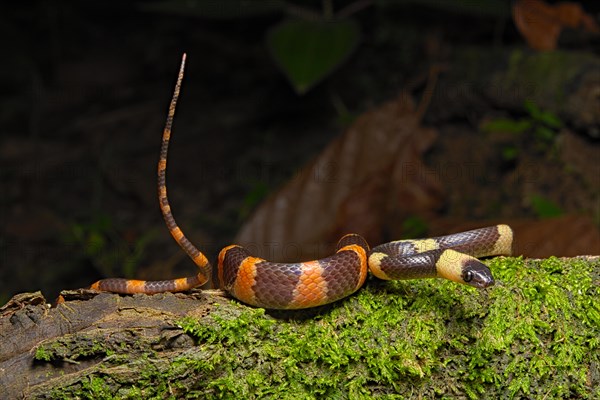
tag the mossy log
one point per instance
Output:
(536, 334)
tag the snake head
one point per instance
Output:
(477, 274)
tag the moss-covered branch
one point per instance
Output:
(533, 335)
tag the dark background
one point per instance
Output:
(84, 89)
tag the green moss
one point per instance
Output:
(533, 335)
(71, 347)
(42, 355)
(96, 388)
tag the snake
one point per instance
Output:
(273, 285)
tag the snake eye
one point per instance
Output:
(468, 276)
(476, 274)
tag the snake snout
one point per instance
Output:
(477, 274)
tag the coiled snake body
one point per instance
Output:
(262, 283)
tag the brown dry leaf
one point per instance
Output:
(567, 236)
(537, 23)
(589, 24)
(541, 23)
(352, 186)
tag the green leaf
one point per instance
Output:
(545, 208)
(532, 109)
(545, 117)
(550, 120)
(414, 227)
(545, 134)
(516, 126)
(308, 51)
(510, 153)
(95, 243)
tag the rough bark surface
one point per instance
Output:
(83, 329)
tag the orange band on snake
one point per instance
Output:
(262, 283)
